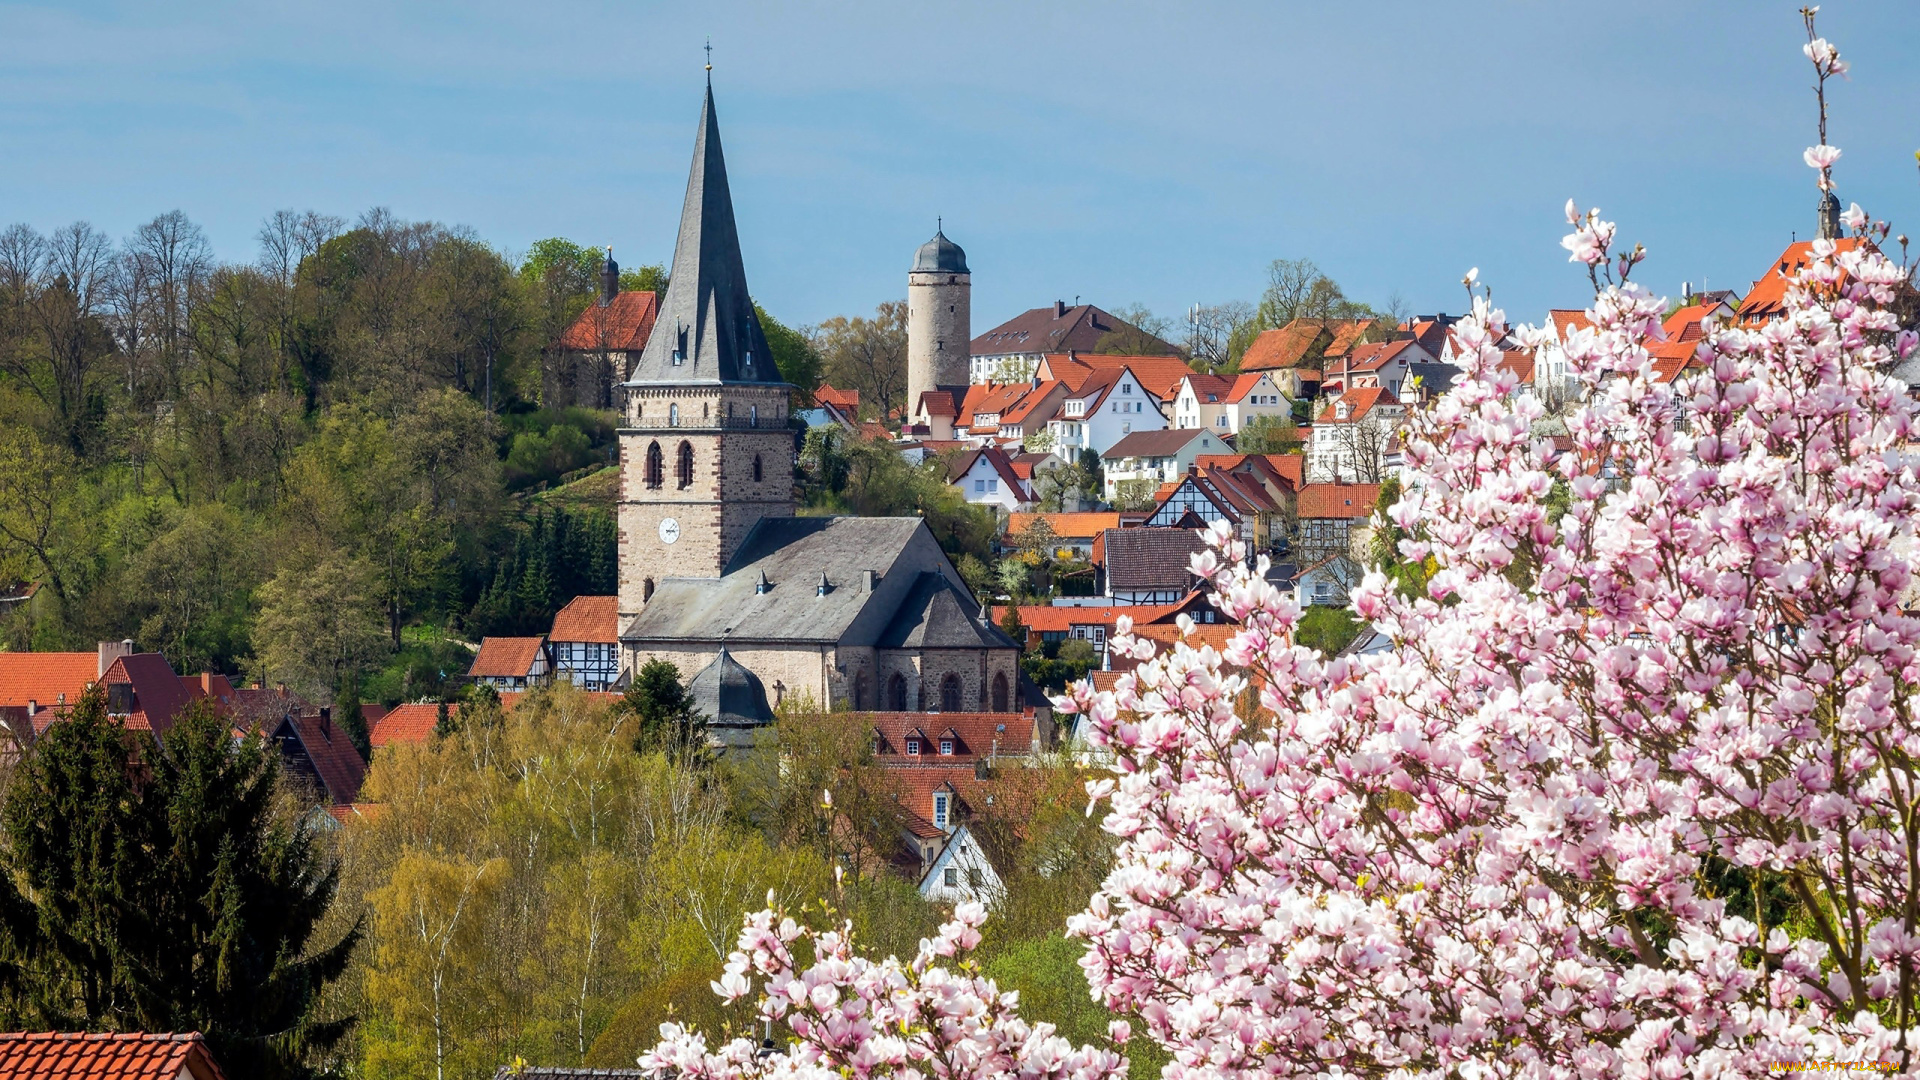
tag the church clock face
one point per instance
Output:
(669, 530)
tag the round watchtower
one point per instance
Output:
(939, 318)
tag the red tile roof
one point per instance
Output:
(45, 678)
(1157, 375)
(588, 618)
(1163, 443)
(1067, 526)
(1768, 297)
(1044, 397)
(1150, 559)
(158, 693)
(1283, 347)
(1360, 402)
(412, 723)
(622, 326)
(974, 735)
(1047, 618)
(1338, 500)
(1567, 320)
(332, 753)
(847, 401)
(1686, 324)
(1520, 362)
(506, 657)
(93, 1056)
(1244, 384)
(1374, 355)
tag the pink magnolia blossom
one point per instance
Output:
(1821, 157)
(1485, 853)
(848, 1016)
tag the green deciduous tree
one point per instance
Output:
(318, 625)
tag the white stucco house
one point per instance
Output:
(1110, 405)
(961, 873)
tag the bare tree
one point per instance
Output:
(1356, 451)
(1212, 328)
(287, 238)
(76, 271)
(163, 265)
(868, 355)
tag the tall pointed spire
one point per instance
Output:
(707, 330)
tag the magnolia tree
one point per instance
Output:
(1636, 794)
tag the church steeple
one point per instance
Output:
(707, 330)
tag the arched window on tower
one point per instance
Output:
(656, 466)
(673, 415)
(950, 694)
(1000, 692)
(897, 693)
(646, 591)
(756, 468)
(686, 464)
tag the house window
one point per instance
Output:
(951, 876)
(1126, 426)
(1220, 421)
(946, 747)
(940, 810)
(1126, 388)
(656, 465)
(913, 746)
(993, 484)
(973, 877)
(686, 465)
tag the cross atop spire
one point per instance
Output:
(707, 330)
(709, 61)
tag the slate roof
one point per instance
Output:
(588, 618)
(707, 314)
(1053, 329)
(506, 657)
(1434, 378)
(97, 1056)
(729, 695)
(624, 325)
(936, 615)
(941, 256)
(793, 553)
(1151, 559)
(158, 693)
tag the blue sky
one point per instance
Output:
(1157, 153)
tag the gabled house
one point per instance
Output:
(1206, 495)
(596, 351)
(409, 724)
(1225, 404)
(837, 407)
(1012, 351)
(585, 642)
(1351, 436)
(1331, 519)
(511, 663)
(1767, 300)
(985, 477)
(1139, 463)
(1106, 407)
(1379, 365)
(1147, 566)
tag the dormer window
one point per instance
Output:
(680, 346)
(946, 747)
(940, 809)
(913, 746)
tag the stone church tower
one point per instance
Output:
(939, 318)
(705, 450)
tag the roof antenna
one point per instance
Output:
(709, 60)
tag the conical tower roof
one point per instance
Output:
(707, 330)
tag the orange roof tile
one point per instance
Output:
(623, 325)
(45, 678)
(1769, 294)
(506, 657)
(1338, 500)
(412, 723)
(1157, 375)
(96, 1056)
(1567, 320)
(1360, 402)
(974, 735)
(1283, 347)
(1082, 526)
(847, 401)
(1047, 618)
(588, 618)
